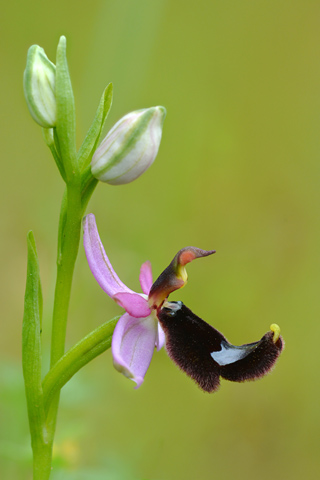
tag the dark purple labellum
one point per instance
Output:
(205, 354)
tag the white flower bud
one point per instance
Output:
(39, 87)
(130, 147)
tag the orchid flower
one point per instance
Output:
(151, 321)
(137, 331)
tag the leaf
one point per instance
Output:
(31, 344)
(92, 138)
(88, 348)
(66, 122)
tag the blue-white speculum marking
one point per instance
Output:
(230, 353)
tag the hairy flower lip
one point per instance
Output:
(205, 355)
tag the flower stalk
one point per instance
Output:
(65, 267)
(69, 241)
(150, 320)
(49, 95)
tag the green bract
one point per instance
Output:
(130, 147)
(39, 87)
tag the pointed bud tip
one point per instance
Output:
(161, 111)
(62, 41)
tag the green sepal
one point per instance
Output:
(31, 346)
(48, 135)
(66, 122)
(92, 138)
(95, 343)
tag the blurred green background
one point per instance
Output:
(238, 171)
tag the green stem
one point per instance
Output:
(72, 208)
(95, 343)
(42, 458)
(65, 267)
(69, 244)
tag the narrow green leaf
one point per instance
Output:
(95, 343)
(31, 345)
(91, 141)
(66, 122)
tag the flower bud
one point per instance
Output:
(39, 87)
(130, 147)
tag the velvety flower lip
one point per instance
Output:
(204, 354)
(137, 332)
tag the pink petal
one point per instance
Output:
(133, 303)
(98, 261)
(160, 340)
(145, 277)
(133, 345)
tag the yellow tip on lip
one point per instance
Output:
(276, 332)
